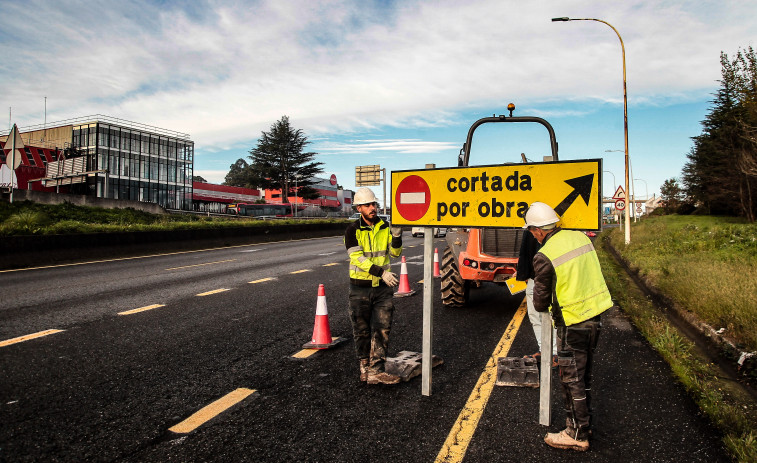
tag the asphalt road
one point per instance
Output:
(108, 387)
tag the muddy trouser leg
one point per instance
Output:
(576, 345)
(381, 324)
(360, 316)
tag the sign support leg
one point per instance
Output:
(545, 381)
(428, 306)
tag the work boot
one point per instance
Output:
(363, 369)
(382, 377)
(562, 440)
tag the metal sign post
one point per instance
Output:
(428, 310)
(545, 381)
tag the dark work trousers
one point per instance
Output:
(371, 312)
(575, 353)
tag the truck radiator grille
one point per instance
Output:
(501, 242)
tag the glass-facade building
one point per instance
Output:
(144, 163)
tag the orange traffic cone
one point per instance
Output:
(436, 263)
(321, 332)
(404, 289)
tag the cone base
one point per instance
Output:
(334, 342)
(409, 293)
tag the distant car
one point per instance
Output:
(590, 234)
(419, 231)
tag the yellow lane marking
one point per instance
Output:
(411, 246)
(27, 337)
(209, 412)
(215, 291)
(305, 353)
(261, 280)
(460, 435)
(160, 255)
(329, 265)
(300, 271)
(200, 265)
(141, 309)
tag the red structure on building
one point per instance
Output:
(33, 166)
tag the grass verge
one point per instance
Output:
(706, 264)
(730, 408)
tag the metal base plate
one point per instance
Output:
(405, 294)
(334, 342)
(407, 364)
(516, 371)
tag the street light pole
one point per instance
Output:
(646, 189)
(625, 104)
(613, 179)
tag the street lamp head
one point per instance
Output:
(554, 20)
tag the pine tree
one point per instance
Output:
(718, 176)
(280, 162)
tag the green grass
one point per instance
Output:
(727, 406)
(27, 218)
(707, 264)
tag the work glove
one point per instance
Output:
(396, 231)
(390, 279)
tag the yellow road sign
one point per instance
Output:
(498, 196)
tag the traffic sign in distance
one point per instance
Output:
(620, 193)
(498, 196)
(620, 204)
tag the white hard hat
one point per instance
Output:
(364, 196)
(540, 215)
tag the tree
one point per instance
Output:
(279, 161)
(719, 175)
(239, 175)
(671, 195)
(199, 178)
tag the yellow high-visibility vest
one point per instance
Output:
(374, 247)
(580, 288)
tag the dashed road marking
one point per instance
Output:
(200, 265)
(305, 353)
(300, 271)
(141, 309)
(215, 291)
(329, 265)
(209, 412)
(460, 435)
(28, 337)
(261, 280)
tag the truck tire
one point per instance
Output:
(454, 288)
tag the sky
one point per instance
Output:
(393, 83)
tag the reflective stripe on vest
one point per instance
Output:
(580, 288)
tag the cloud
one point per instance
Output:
(395, 146)
(224, 71)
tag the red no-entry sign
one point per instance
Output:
(412, 198)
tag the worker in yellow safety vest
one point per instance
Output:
(370, 243)
(568, 282)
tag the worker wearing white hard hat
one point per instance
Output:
(568, 282)
(371, 243)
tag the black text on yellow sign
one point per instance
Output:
(498, 196)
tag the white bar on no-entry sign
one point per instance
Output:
(413, 198)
